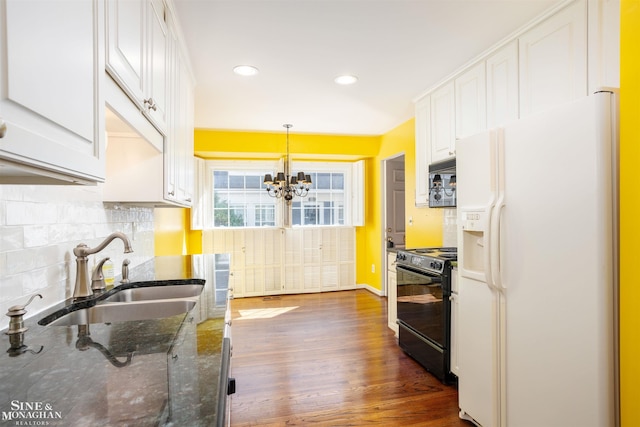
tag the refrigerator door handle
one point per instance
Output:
(496, 270)
(496, 219)
(486, 249)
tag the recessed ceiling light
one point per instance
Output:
(245, 70)
(346, 79)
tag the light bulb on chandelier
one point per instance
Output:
(284, 185)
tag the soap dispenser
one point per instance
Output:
(16, 324)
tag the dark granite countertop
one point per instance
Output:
(144, 373)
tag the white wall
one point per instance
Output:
(40, 226)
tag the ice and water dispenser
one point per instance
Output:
(475, 243)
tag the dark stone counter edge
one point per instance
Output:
(72, 305)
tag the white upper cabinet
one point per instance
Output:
(604, 44)
(154, 164)
(422, 145)
(553, 60)
(137, 54)
(179, 161)
(442, 123)
(52, 62)
(471, 104)
(567, 53)
(502, 86)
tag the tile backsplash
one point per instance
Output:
(450, 228)
(40, 226)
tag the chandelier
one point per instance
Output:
(285, 185)
(439, 187)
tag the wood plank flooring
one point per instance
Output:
(329, 360)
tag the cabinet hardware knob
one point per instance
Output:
(172, 193)
(187, 199)
(151, 104)
(3, 128)
(174, 357)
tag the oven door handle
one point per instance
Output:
(409, 270)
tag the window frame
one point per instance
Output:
(353, 189)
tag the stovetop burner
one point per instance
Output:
(447, 252)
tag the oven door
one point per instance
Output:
(422, 304)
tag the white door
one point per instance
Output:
(395, 198)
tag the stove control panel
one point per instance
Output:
(421, 262)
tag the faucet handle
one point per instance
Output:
(125, 271)
(97, 278)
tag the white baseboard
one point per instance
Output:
(370, 288)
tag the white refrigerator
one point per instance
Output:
(537, 259)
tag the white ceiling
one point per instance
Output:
(397, 48)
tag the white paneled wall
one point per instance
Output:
(283, 261)
(40, 226)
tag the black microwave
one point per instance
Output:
(442, 184)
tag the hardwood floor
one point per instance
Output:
(329, 360)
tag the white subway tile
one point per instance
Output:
(25, 213)
(36, 235)
(11, 238)
(40, 226)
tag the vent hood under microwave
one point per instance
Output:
(442, 184)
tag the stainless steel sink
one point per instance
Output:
(134, 303)
(155, 293)
(127, 311)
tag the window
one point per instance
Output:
(240, 198)
(325, 204)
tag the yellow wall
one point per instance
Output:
(171, 231)
(170, 237)
(228, 144)
(427, 223)
(629, 208)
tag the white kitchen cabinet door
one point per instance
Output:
(157, 64)
(442, 122)
(51, 92)
(453, 355)
(553, 60)
(502, 86)
(422, 147)
(126, 27)
(471, 104)
(179, 166)
(137, 54)
(392, 292)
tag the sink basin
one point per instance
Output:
(155, 293)
(127, 311)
